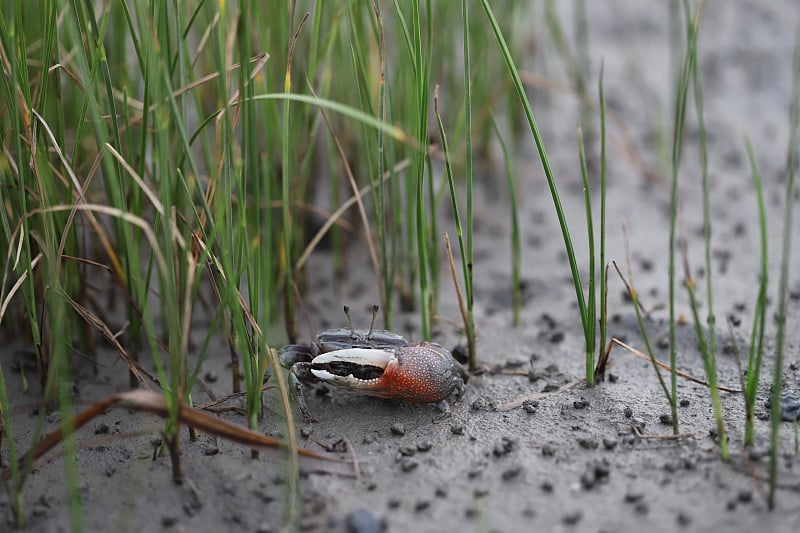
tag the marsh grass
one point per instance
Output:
(516, 248)
(756, 350)
(705, 332)
(173, 152)
(682, 82)
(586, 311)
(783, 282)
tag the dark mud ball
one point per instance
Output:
(362, 521)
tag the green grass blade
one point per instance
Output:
(783, 283)
(591, 311)
(506, 53)
(516, 248)
(756, 351)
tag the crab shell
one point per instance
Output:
(417, 373)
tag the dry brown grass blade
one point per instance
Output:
(154, 403)
(95, 322)
(665, 366)
(461, 305)
(80, 197)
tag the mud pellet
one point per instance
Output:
(424, 446)
(572, 518)
(511, 473)
(609, 444)
(633, 497)
(407, 451)
(457, 429)
(398, 429)
(408, 464)
(503, 447)
(362, 521)
(580, 404)
(588, 479)
(530, 406)
(475, 472)
(480, 404)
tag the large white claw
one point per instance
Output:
(358, 356)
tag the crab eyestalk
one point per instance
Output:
(372, 324)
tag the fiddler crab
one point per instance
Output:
(377, 363)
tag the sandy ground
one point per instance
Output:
(571, 459)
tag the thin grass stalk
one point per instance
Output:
(286, 208)
(603, 176)
(756, 352)
(783, 283)
(408, 109)
(434, 268)
(387, 275)
(137, 284)
(17, 95)
(357, 44)
(708, 357)
(257, 261)
(703, 149)
(516, 248)
(682, 91)
(61, 331)
(456, 211)
(170, 278)
(292, 504)
(637, 307)
(708, 345)
(582, 66)
(423, 64)
(473, 355)
(506, 53)
(589, 333)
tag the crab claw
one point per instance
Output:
(418, 373)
